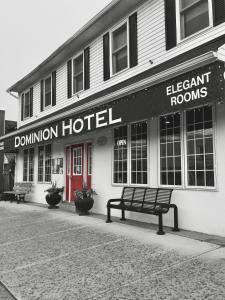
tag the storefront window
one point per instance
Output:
(134, 139)
(120, 155)
(28, 165)
(170, 150)
(44, 163)
(139, 153)
(200, 152)
(89, 159)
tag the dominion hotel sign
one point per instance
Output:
(199, 87)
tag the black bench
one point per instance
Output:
(154, 201)
(19, 192)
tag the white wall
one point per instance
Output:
(151, 46)
(199, 210)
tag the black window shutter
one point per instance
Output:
(69, 78)
(87, 68)
(170, 24)
(54, 88)
(22, 106)
(42, 95)
(133, 40)
(106, 66)
(31, 102)
(218, 11)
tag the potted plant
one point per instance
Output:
(84, 200)
(53, 197)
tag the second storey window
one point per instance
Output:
(194, 16)
(27, 104)
(47, 91)
(119, 49)
(78, 74)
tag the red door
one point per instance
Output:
(78, 169)
(77, 174)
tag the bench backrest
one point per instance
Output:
(22, 186)
(146, 198)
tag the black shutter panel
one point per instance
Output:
(106, 67)
(133, 40)
(31, 102)
(170, 24)
(42, 95)
(218, 11)
(87, 68)
(54, 88)
(69, 79)
(22, 106)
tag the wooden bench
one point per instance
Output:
(19, 192)
(154, 201)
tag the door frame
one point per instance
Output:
(84, 167)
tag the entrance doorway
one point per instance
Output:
(78, 169)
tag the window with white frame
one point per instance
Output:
(200, 150)
(78, 74)
(44, 163)
(89, 155)
(170, 150)
(48, 91)
(120, 154)
(28, 165)
(119, 49)
(199, 155)
(130, 154)
(26, 108)
(77, 161)
(193, 16)
(139, 153)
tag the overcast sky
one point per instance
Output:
(30, 30)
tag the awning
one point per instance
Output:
(198, 87)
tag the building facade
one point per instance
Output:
(135, 98)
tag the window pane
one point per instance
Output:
(170, 149)
(27, 105)
(120, 155)
(31, 164)
(48, 157)
(25, 165)
(139, 153)
(120, 60)
(41, 163)
(78, 74)
(200, 146)
(120, 37)
(194, 18)
(48, 100)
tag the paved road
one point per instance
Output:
(53, 254)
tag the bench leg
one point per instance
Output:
(175, 228)
(160, 231)
(108, 216)
(123, 215)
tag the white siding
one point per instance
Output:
(151, 46)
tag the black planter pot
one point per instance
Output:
(53, 199)
(84, 205)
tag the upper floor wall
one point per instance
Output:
(162, 31)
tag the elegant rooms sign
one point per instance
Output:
(67, 127)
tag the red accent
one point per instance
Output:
(88, 176)
(74, 181)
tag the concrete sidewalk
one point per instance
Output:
(54, 254)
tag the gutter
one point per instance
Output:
(184, 67)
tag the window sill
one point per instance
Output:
(112, 75)
(190, 38)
